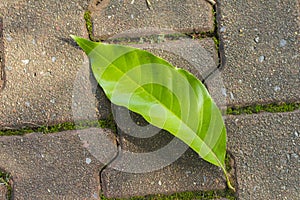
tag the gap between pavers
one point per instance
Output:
(64, 165)
(261, 46)
(2, 61)
(267, 154)
(113, 17)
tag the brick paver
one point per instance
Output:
(115, 17)
(261, 46)
(56, 166)
(266, 149)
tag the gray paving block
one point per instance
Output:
(113, 17)
(261, 43)
(3, 192)
(42, 63)
(152, 161)
(64, 165)
(197, 56)
(187, 173)
(267, 154)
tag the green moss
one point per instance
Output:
(89, 24)
(204, 195)
(5, 180)
(272, 108)
(107, 123)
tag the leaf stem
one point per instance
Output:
(228, 180)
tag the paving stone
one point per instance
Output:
(41, 61)
(197, 56)
(111, 17)
(152, 161)
(3, 192)
(64, 165)
(261, 43)
(188, 173)
(267, 155)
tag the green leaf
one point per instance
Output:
(167, 97)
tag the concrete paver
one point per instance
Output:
(197, 56)
(153, 161)
(56, 166)
(261, 43)
(111, 17)
(41, 62)
(188, 173)
(267, 155)
(3, 192)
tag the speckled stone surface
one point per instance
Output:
(42, 62)
(113, 17)
(188, 173)
(267, 154)
(261, 43)
(3, 192)
(152, 161)
(57, 166)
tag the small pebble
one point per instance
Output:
(53, 59)
(231, 96)
(222, 29)
(223, 90)
(261, 58)
(52, 100)
(296, 134)
(256, 39)
(25, 62)
(88, 160)
(282, 43)
(159, 183)
(8, 68)
(277, 88)
(9, 38)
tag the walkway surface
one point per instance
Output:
(46, 83)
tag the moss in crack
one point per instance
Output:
(202, 195)
(89, 24)
(5, 180)
(106, 123)
(209, 34)
(272, 108)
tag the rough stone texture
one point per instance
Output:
(41, 60)
(3, 192)
(111, 17)
(57, 166)
(152, 161)
(261, 42)
(188, 173)
(197, 56)
(267, 154)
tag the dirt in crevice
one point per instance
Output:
(2, 60)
